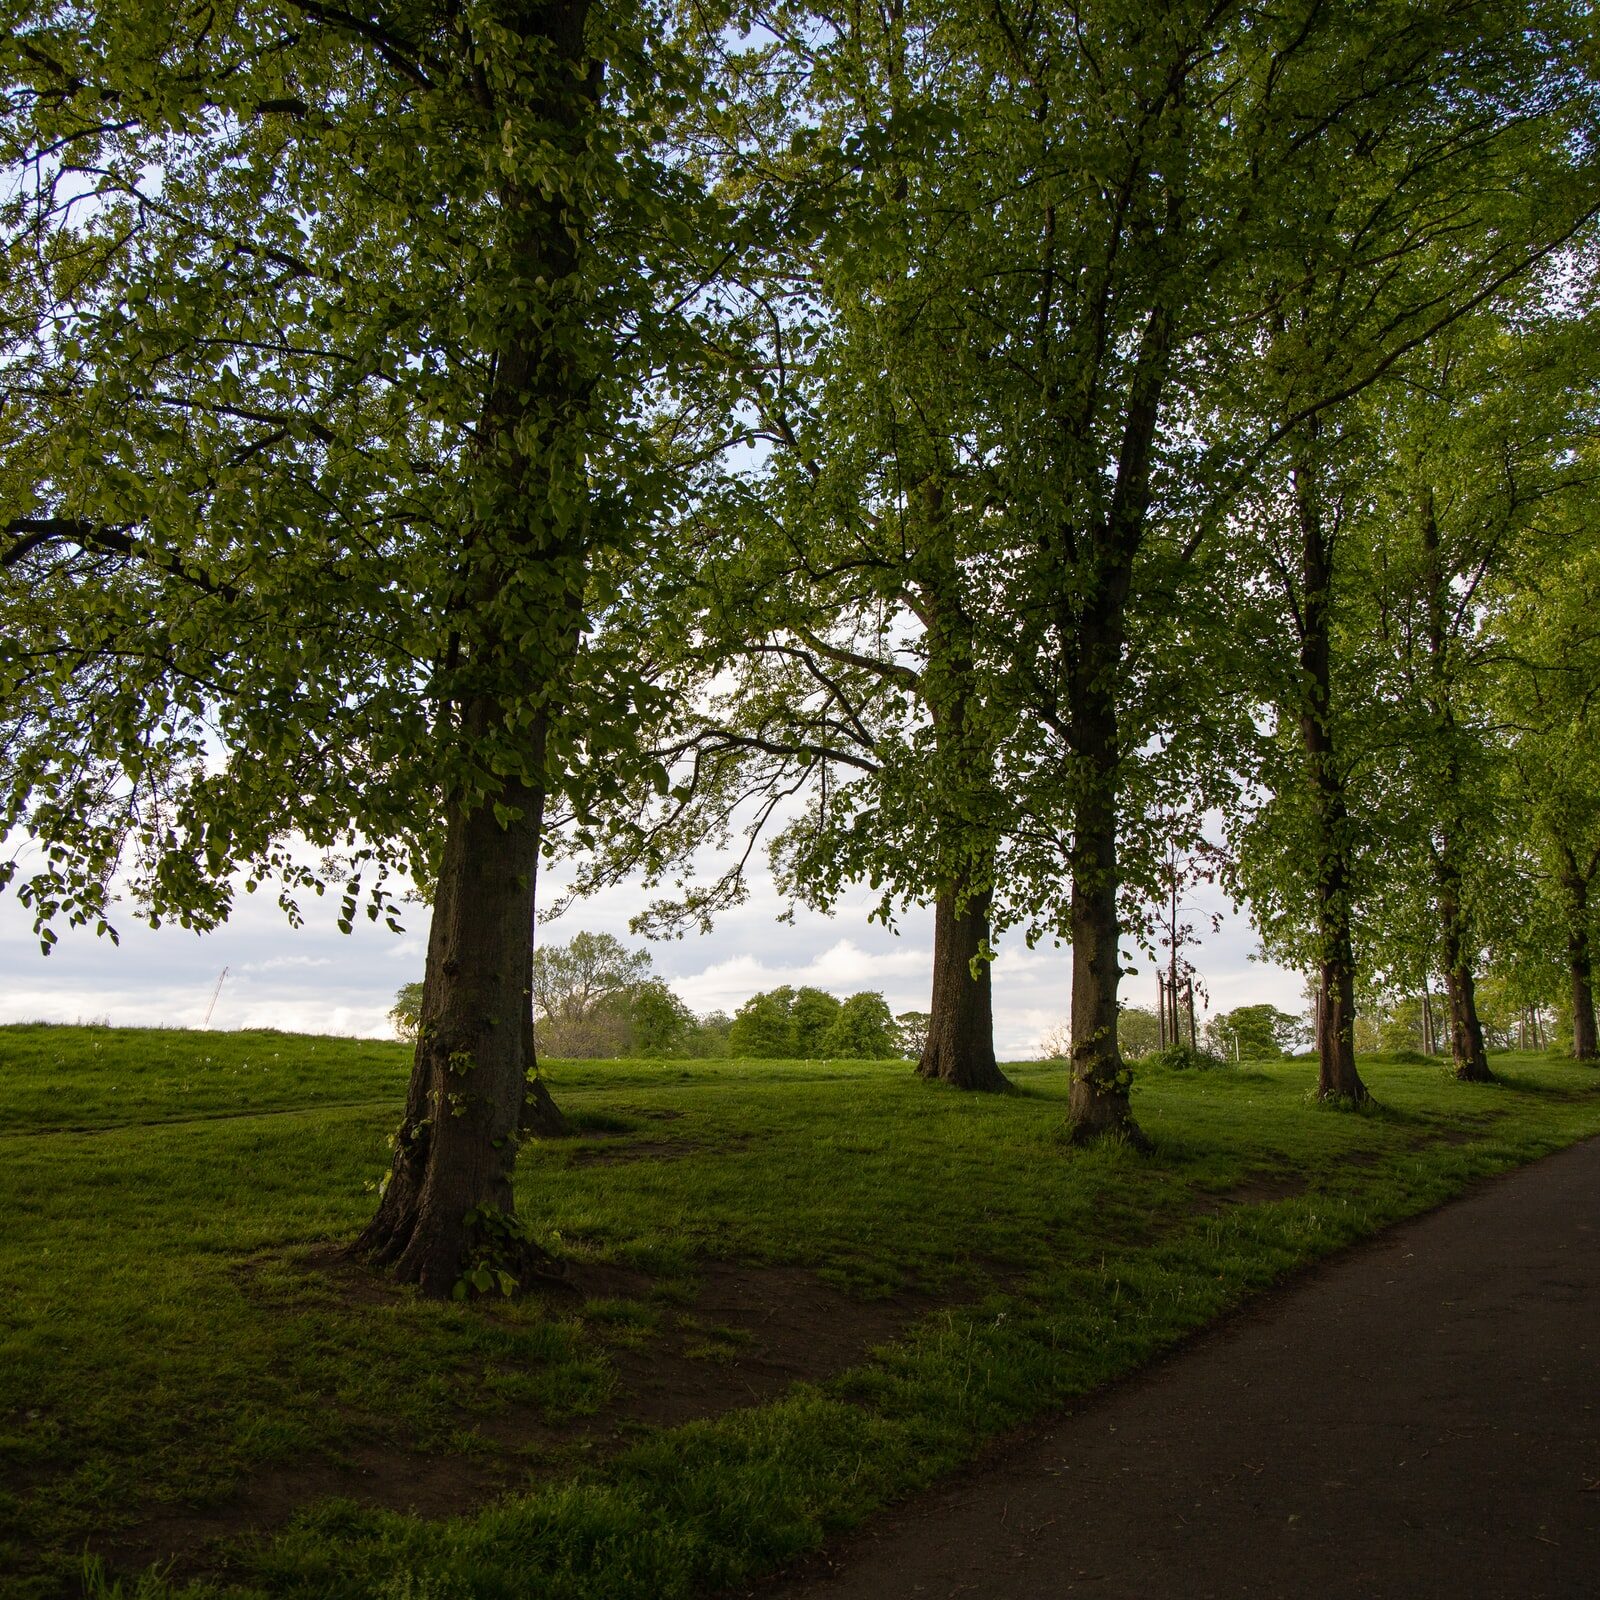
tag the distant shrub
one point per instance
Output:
(1183, 1058)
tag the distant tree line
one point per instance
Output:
(594, 999)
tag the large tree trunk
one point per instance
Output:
(1092, 624)
(448, 1204)
(1098, 1098)
(1580, 966)
(1337, 1078)
(960, 1047)
(1466, 1032)
(1098, 1102)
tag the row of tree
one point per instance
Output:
(971, 439)
(595, 999)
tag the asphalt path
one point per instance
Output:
(1418, 1417)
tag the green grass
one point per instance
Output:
(168, 1329)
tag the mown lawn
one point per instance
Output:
(798, 1291)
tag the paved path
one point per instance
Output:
(1418, 1418)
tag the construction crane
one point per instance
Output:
(214, 993)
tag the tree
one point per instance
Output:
(911, 1033)
(709, 1036)
(1310, 856)
(835, 655)
(584, 993)
(331, 345)
(660, 1024)
(1254, 1033)
(762, 1027)
(863, 1030)
(811, 1016)
(1138, 1031)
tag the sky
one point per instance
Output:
(317, 980)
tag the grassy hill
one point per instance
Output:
(797, 1290)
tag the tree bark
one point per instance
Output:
(457, 1145)
(960, 1047)
(1098, 1098)
(1092, 624)
(1466, 1031)
(1580, 966)
(1337, 1078)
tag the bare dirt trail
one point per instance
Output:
(1418, 1418)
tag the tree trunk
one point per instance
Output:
(449, 1189)
(1337, 1078)
(1466, 1032)
(1098, 1099)
(960, 1047)
(1091, 620)
(449, 1207)
(1580, 967)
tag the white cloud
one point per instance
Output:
(284, 963)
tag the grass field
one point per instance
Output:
(798, 1291)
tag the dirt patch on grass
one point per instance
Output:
(636, 1150)
(191, 1541)
(745, 1337)
(738, 1335)
(627, 1149)
(1258, 1189)
(1454, 1136)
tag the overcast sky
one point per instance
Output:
(316, 979)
